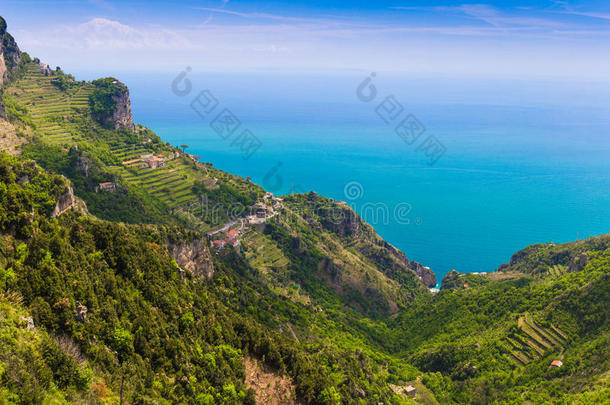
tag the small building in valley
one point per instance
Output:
(106, 186)
(556, 363)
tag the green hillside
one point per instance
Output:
(497, 339)
(131, 271)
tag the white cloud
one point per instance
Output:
(493, 17)
(105, 34)
(601, 16)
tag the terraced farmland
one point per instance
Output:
(61, 118)
(45, 100)
(532, 341)
(171, 183)
(557, 270)
(49, 106)
(262, 253)
(51, 109)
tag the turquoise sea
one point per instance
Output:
(525, 161)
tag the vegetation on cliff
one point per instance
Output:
(104, 302)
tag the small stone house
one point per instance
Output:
(106, 186)
(410, 391)
(155, 162)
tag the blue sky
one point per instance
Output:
(549, 39)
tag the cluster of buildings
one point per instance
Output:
(264, 210)
(230, 239)
(258, 215)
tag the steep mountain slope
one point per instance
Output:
(85, 132)
(152, 276)
(114, 294)
(493, 336)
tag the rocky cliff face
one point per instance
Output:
(343, 221)
(64, 203)
(80, 162)
(122, 118)
(426, 275)
(372, 275)
(111, 105)
(10, 56)
(193, 256)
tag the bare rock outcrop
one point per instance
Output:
(341, 220)
(10, 56)
(80, 161)
(64, 203)
(579, 262)
(193, 256)
(110, 104)
(122, 118)
(424, 273)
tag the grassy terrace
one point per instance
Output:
(48, 105)
(53, 112)
(557, 270)
(265, 256)
(532, 341)
(262, 253)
